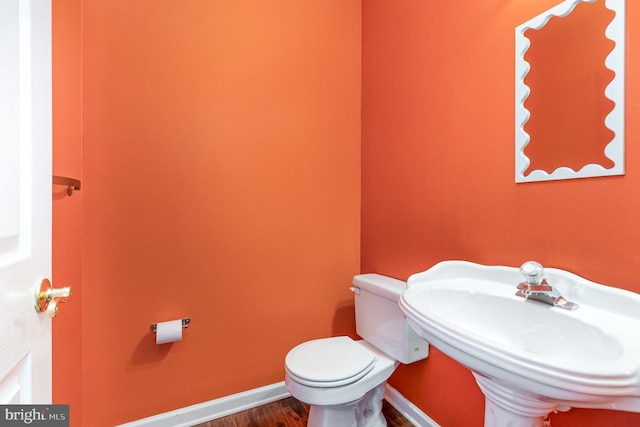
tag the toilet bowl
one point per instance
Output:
(343, 380)
(339, 394)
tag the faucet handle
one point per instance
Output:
(533, 272)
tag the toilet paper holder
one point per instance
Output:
(185, 324)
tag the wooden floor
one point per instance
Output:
(289, 412)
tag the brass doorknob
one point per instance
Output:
(47, 297)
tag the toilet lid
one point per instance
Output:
(330, 360)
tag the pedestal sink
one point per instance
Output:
(530, 358)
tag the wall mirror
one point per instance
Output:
(570, 92)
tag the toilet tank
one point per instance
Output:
(379, 320)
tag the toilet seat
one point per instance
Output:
(329, 362)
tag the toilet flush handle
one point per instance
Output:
(355, 290)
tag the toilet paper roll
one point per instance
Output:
(170, 331)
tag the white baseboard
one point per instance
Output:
(410, 411)
(213, 409)
(218, 408)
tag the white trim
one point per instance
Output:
(408, 410)
(215, 409)
(218, 408)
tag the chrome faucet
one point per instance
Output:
(537, 288)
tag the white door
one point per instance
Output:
(25, 198)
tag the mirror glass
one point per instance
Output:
(570, 92)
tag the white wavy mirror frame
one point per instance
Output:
(614, 91)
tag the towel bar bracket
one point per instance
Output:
(72, 184)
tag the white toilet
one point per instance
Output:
(344, 380)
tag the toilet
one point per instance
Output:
(342, 380)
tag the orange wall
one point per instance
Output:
(221, 182)
(438, 174)
(220, 161)
(67, 215)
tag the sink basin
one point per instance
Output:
(528, 357)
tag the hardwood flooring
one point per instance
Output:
(289, 412)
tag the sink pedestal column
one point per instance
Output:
(507, 407)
